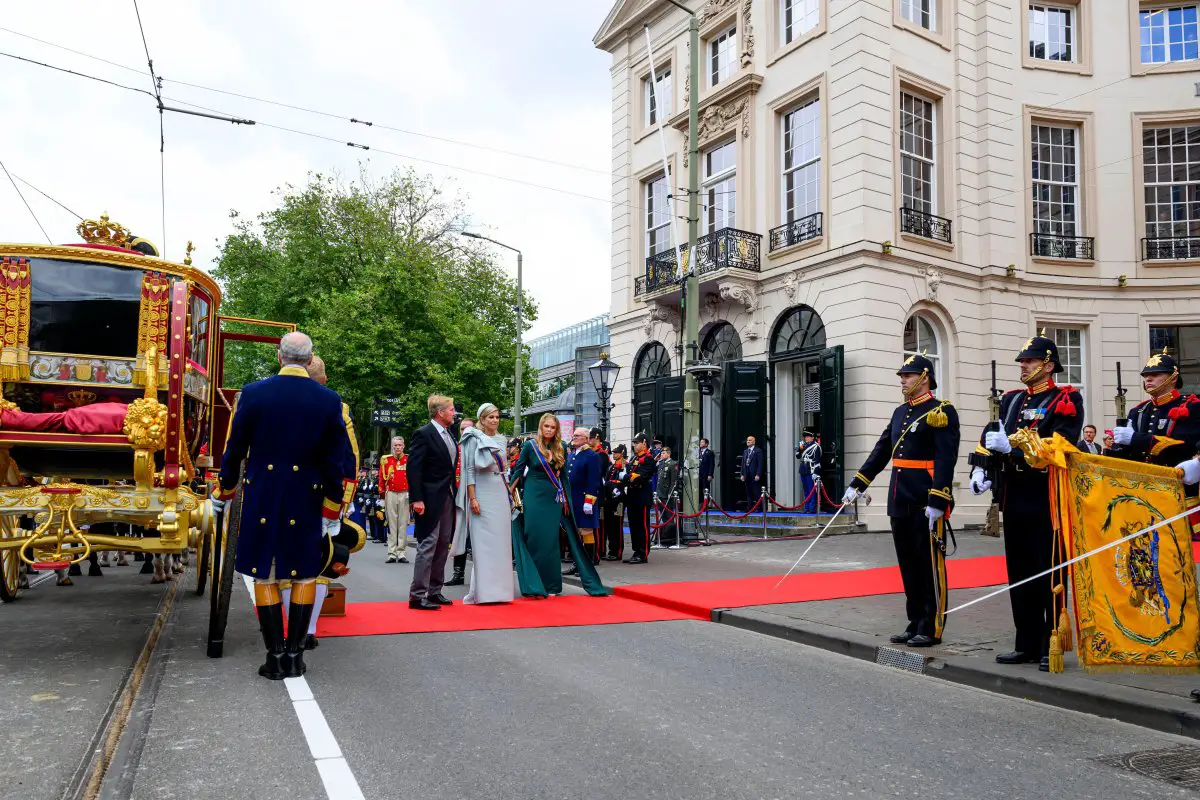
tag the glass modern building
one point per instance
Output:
(564, 385)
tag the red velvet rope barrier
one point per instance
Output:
(828, 499)
(739, 516)
(662, 523)
(782, 507)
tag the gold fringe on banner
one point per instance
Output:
(153, 319)
(14, 319)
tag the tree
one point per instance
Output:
(397, 304)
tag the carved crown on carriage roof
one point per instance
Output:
(104, 231)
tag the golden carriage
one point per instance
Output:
(112, 365)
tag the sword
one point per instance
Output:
(810, 546)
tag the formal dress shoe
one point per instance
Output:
(901, 638)
(440, 599)
(610, 558)
(402, 560)
(574, 570)
(635, 560)
(421, 604)
(390, 560)
(1016, 657)
(458, 579)
(921, 640)
(310, 642)
(1044, 664)
(1196, 695)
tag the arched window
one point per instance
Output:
(722, 344)
(920, 338)
(653, 362)
(799, 329)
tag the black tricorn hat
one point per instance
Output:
(350, 539)
(639, 437)
(917, 364)
(1162, 364)
(1042, 348)
(621, 449)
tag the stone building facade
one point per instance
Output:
(891, 176)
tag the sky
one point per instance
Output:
(519, 76)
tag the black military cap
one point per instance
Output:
(514, 443)
(916, 365)
(640, 437)
(1162, 364)
(808, 432)
(620, 449)
(1042, 348)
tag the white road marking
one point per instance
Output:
(336, 776)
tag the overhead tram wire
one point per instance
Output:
(156, 83)
(28, 207)
(48, 197)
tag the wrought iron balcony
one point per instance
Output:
(1048, 245)
(727, 248)
(925, 225)
(797, 231)
(1171, 248)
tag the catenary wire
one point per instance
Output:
(48, 197)
(28, 207)
(162, 137)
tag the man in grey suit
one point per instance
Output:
(1088, 443)
(431, 461)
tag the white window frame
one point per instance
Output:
(1071, 30)
(813, 145)
(1151, 20)
(658, 220)
(659, 100)
(1189, 186)
(719, 190)
(1043, 175)
(727, 40)
(805, 16)
(914, 11)
(1061, 335)
(922, 349)
(931, 159)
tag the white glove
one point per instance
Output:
(331, 527)
(933, 515)
(587, 508)
(997, 441)
(850, 496)
(1191, 471)
(1123, 435)
(217, 505)
(979, 482)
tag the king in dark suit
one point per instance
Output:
(290, 432)
(431, 460)
(753, 465)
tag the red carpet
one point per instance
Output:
(373, 619)
(699, 598)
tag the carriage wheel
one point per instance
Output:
(10, 563)
(224, 551)
(204, 559)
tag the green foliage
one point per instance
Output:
(397, 303)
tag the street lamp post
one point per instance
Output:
(517, 426)
(604, 377)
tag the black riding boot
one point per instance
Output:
(299, 615)
(460, 571)
(270, 621)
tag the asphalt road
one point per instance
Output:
(662, 710)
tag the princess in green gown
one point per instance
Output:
(541, 475)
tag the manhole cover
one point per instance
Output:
(1179, 766)
(900, 659)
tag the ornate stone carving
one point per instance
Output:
(715, 120)
(662, 313)
(933, 279)
(739, 292)
(714, 8)
(712, 305)
(791, 285)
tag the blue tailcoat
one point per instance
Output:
(291, 433)
(585, 477)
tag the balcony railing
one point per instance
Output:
(727, 248)
(1171, 248)
(1048, 245)
(925, 225)
(797, 231)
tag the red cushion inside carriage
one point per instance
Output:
(16, 420)
(96, 418)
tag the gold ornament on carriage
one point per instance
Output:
(103, 231)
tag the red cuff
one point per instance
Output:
(330, 509)
(225, 494)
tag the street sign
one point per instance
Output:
(385, 415)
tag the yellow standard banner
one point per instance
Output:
(1135, 604)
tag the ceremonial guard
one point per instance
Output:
(393, 481)
(664, 492)
(291, 434)
(921, 441)
(1023, 493)
(585, 477)
(809, 453)
(639, 496)
(614, 503)
(1164, 429)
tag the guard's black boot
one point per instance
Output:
(74, 570)
(299, 615)
(270, 621)
(147, 565)
(94, 567)
(460, 571)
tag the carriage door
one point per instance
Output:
(744, 412)
(246, 352)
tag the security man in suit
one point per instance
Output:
(809, 453)
(290, 433)
(707, 467)
(1023, 493)
(921, 440)
(639, 496)
(753, 465)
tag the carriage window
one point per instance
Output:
(90, 309)
(198, 335)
